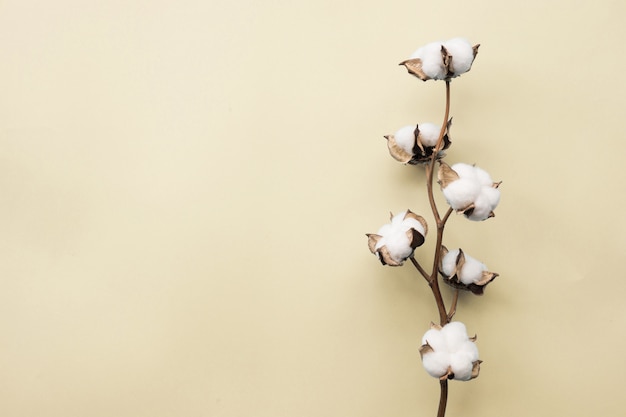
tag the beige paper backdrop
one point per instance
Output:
(186, 187)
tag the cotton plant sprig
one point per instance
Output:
(447, 352)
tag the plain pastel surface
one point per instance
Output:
(185, 189)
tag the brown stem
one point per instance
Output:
(443, 398)
(429, 186)
(433, 277)
(448, 213)
(430, 168)
(439, 144)
(433, 280)
(419, 268)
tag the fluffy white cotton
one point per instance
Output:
(432, 60)
(405, 138)
(466, 171)
(385, 230)
(462, 55)
(399, 222)
(398, 245)
(396, 241)
(462, 362)
(483, 177)
(394, 237)
(429, 133)
(413, 224)
(461, 367)
(480, 212)
(474, 173)
(452, 350)
(448, 263)
(470, 349)
(485, 203)
(436, 339)
(491, 195)
(455, 334)
(471, 271)
(461, 193)
(436, 363)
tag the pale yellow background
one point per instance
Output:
(186, 187)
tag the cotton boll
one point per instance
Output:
(432, 60)
(449, 350)
(461, 367)
(405, 138)
(429, 133)
(472, 271)
(393, 236)
(436, 363)
(461, 193)
(462, 55)
(448, 263)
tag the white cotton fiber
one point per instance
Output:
(483, 177)
(461, 367)
(455, 334)
(385, 230)
(492, 195)
(471, 350)
(399, 247)
(461, 193)
(429, 133)
(400, 223)
(411, 223)
(432, 60)
(485, 203)
(393, 227)
(448, 263)
(482, 208)
(472, 271)
(466, 171)
(397, 243)
(405, 138)
(435, 339)
(398, 218)
(462, 55)
(436, 363)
